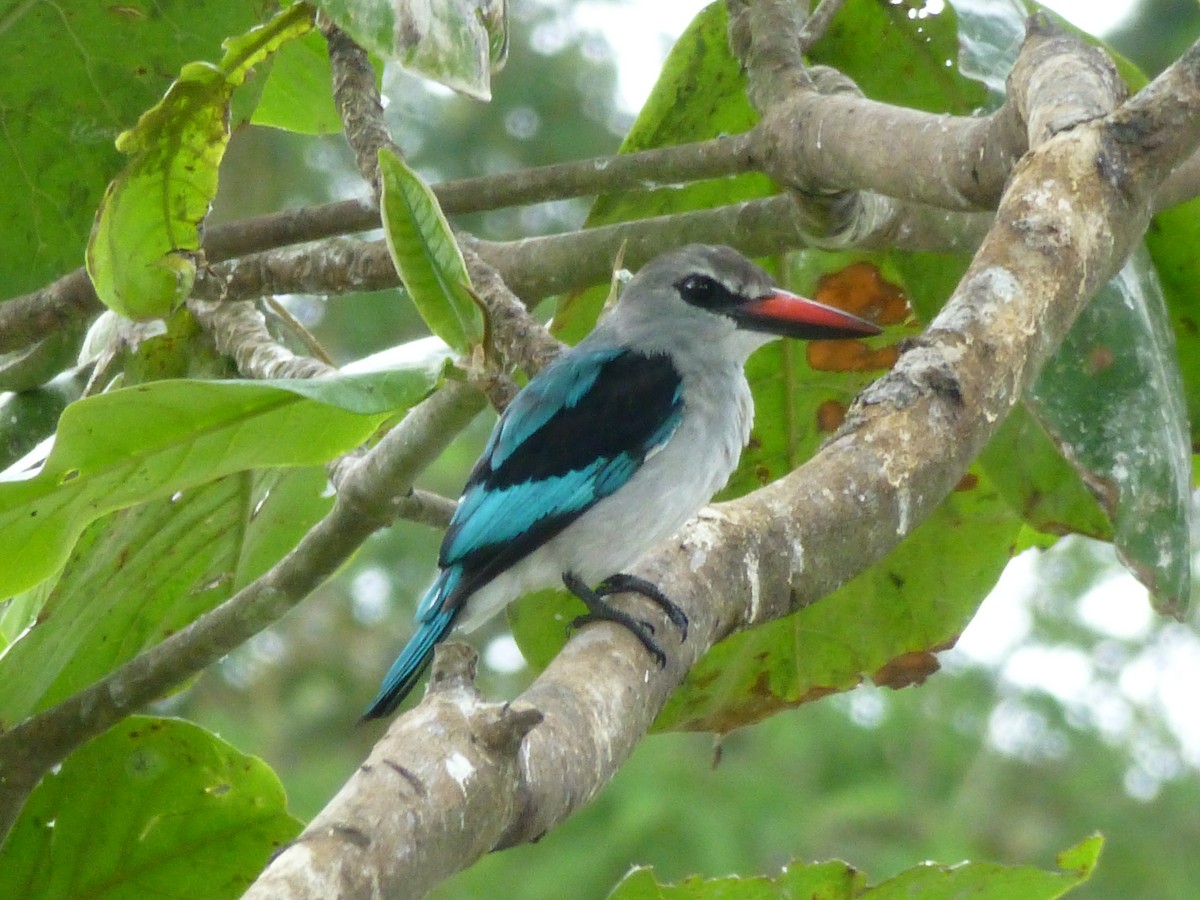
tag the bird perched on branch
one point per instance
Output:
(611, 448)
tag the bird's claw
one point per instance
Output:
(601, 610)
(622, 582)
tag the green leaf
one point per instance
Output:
(426, 255)
(152, 808)
(1038, 483)
(142, 253)
(143, 442)
(74, 76)
(140, 574)
(298, 95)
(458, 43)
(990, 881)
(1113, 398)
(840, 881)
(895, 57)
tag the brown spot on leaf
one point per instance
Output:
(906, 669)
(860, 288)
(830, 416)
(849, 356)
(968, 482)
(1100, 359)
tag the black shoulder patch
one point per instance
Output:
(624, 411)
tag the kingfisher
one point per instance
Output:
(611, 448)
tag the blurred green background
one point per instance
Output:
(1065, 709)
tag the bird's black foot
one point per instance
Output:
(600, 610)
(620, 583)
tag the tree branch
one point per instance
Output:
(240, 332)
(1075, 206)
(543, 266)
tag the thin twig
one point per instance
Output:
(358, 103)
(818, 23)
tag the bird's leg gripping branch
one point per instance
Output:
(600, 610)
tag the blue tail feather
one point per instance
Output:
(435, 619)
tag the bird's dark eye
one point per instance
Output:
(705, 292)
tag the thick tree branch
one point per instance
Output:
(1075, 206)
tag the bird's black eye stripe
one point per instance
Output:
(706, 293)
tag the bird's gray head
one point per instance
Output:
(705, 295)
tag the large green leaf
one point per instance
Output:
(109, 63)
(840, 881)
(143, 442)
(141, 255)
(138, 575)
(152, 808)
(426, 255)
